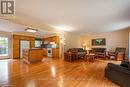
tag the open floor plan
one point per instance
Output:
(64, 43)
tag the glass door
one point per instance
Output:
(4, 47)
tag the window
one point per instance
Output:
(38, 43)
(4, 46)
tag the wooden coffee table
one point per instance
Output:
(90, 57)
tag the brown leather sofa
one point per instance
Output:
(119, 74)
(74, 54)
(80, 51)
(99, 52)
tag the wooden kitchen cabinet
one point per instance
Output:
(45, 52)
(55, 52)
(16, 44)
(52, 39)
(32, 44)
(56, 39)
(16, 48)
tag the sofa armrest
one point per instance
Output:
(118, 68)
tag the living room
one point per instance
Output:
(65, 43)
(113, 39)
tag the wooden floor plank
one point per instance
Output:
(54, 73)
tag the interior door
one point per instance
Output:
(24, 45)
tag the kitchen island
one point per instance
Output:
(32, 55)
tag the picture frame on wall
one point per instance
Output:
(99, 42)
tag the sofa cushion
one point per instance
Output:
(118, 68)
(125, 63)
(100, 50)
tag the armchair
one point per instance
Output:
(119, 54)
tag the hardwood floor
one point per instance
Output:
(54, 73)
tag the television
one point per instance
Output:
(99, 42)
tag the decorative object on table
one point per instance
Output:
(84, 46)
(119, 54)
(99, 42)
(119, 74)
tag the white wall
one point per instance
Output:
(113, 39)
(72, 41)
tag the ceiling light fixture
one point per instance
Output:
(63, 28)
(31, 30)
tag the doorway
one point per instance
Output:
(24, 44)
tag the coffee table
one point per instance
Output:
(90, 57)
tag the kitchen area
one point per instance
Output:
(32, 49)
(51, 46)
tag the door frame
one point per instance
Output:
(20, 46)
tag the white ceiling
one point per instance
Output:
(79, 16)
(9, 26)
(83, 16)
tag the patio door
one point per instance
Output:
(4, 47)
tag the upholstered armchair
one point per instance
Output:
(119, 54)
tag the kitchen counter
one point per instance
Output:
(32, 55)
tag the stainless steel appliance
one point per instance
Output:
(49, 52)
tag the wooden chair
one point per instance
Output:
(119, 54)
(70, 56)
